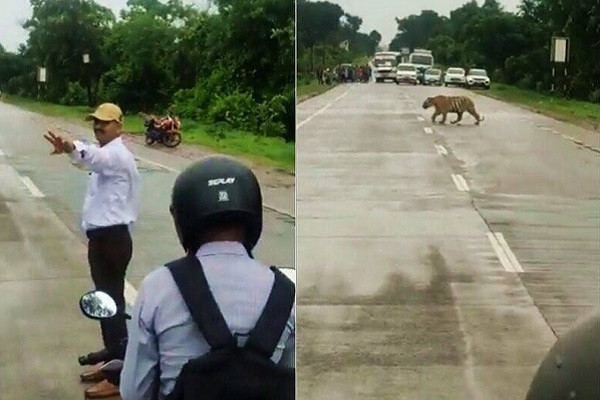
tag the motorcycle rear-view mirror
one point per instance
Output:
(98, 305)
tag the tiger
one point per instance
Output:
(452, 104)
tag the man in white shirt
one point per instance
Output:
(109, 209)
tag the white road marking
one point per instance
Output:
(428, 130)
(421, 119)
(508, 267)
(35, 192)
(158, 165)
(441, 150)
(511, 256)
(321, 110)
(460, 182)
(463, 182)
(2, 153)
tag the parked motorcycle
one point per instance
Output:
(165, 130)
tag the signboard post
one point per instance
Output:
(86, 63)
(559, 55)
(41, 78)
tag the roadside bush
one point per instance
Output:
(76, 95)
(526, 82)
(195, 102)
(594, 97)
(237, 109)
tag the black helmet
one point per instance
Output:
(216, 190)
(571, 369)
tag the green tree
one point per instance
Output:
(141, 50)
(60, 32)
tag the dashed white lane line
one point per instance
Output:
(506, 256)
(508, 267)
(322, 109)
(460, 182)
(511, 256)
(421, 119)
(35, 192)
(428, 130)
(441, 150)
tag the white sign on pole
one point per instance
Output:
(42, 74)
(560, 49)
(86, 58)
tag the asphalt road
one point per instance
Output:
(437, 262)
(43, 264)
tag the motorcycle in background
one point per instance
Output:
(162, 130)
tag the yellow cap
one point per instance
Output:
(107, 112)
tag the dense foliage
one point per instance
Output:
(233, 63)
(514, 47)
(324, 30)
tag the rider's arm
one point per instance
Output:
(97, 158)
(139, 378)
(288, 357)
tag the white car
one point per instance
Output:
(432, 76)
(478, 77)
(406, 73)
(455, 76)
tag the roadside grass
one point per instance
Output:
(581, 113)
(307, 89)
(218, 137)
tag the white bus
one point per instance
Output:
(422, 59)
(384, 65)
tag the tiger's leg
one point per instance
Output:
(475, 115)
(458, 117)
(434, 116)
(445, 114)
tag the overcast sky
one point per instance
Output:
(14, 12)
(380, 15)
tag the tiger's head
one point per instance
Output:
(428, 102)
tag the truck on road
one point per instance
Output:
(423, 60)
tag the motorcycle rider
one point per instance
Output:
(217, 210)
(571, 369)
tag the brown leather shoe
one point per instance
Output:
(102, 390)
(92, 375)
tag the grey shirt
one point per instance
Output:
(162, 334)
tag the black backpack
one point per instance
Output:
(227, 371)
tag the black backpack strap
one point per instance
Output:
(272, 321)
(189, 276)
